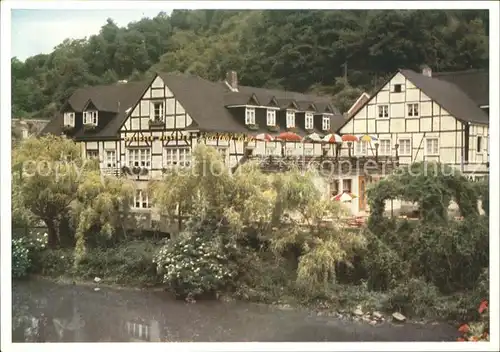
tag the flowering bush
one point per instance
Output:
(20, 258)
(192, 265)
(477, 331)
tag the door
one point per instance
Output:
(362, 193)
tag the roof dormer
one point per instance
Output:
(90, 114)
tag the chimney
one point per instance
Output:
(232, 80)
(426, 71)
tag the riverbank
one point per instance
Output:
(67, 312)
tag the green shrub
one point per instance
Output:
(20, 258)
(414, 298)
(129, 263)
(52, 262)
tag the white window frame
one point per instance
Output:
(110, 158)
(309, 121)
(384, 151)
(249, 116)
(359, 148)
(326, 122)
(136, 157)
(271, 117)
(92, 153)
(309, 151)
(481, 148)
(426, 146)
(90, 117)
(383, 111)
(141, 199)
(177, 157)
(411, 111)
(394, 88)
(290, 118)
(400, 150)
(161, 111)
(69, 119)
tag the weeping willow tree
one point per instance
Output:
(103, 204)
(46, 173)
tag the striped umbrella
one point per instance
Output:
(344, 197)
(266, 137)
(289, 137)
(349, 138)
(332, 138)
(313, 137)
(368, 138)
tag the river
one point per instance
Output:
(44, 311)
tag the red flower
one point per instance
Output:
(483, 306)
(461, 339)
(464, 329)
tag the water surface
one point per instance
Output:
(44, 311)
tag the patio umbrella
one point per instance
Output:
(332, 138)
(289, 137)
(266, 137)
(313, 137)
(349, 138)
(344, 197)
(368, 138)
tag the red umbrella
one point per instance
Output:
(264, 137)
(332, 138)
(349, 138)
(289, 137)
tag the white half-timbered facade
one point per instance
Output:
(420, 118)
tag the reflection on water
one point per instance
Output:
(47, 312)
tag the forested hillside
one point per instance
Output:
(294, 50)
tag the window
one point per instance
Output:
(412, 110)
(347, 185)
(158, 111)
(271, 117)
(309, 123)
(90, 118)
(289, 151)
(110, 160)
(141, 199)
(270, 150)
(93, 154)
(290, 118)
(361, 148)
(479, 146)
(308, 151)
(335, 187)
(139, 157)
(69, 119)
(432, 146)
(383, 111)
(222, 151)
(397, 88)
(250, 116)
(404, 147)
(385, 147)
(326, 123)
(177, 157)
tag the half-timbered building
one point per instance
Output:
(421, 117)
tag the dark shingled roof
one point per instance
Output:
(449, 96)
(203, 100)
(474, 83)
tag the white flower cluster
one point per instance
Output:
(195, 264)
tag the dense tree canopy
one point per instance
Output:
(294, 50)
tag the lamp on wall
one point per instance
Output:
(377, 144)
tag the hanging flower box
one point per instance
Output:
(68, 128)
(292, 129)
(156, 123)
(253, 127)
(274, 128)
(89, 127)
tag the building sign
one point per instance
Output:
(240, 137)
